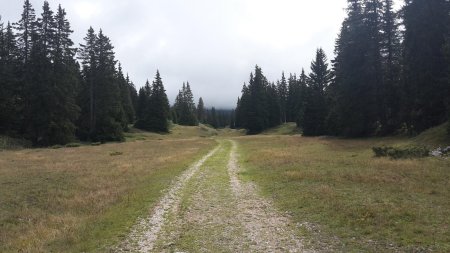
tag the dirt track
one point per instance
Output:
(209, 209)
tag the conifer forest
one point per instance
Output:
(390, 73)
(351, 153)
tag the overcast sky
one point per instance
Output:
(213, 44)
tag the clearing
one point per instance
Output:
(204, 190)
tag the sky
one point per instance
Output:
(213, 44)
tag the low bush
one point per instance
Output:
(401, 152)
(115, 153)
(73, 145)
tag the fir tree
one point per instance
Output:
(27, 30)
(283, 97)
(201, 111)
(105, 112)
(316, 104)
(185, 107)
(158, 108)
(425, 65)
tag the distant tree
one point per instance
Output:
(294, 99)
(213, 119)
(257, 108)
(283, 97)
(316, 104)
(142, 105)
(133, 95)
(105, 112)
(27, 30)
(10, 96)
(201, 111)
(158, 114)
(185, 107)
(125, 96)
(274, 117)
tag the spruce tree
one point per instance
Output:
(256, 114)
(10, 97)
(127, 103)
(357, 70)
(26, 28)
(389, 91)
(283, 97)
(201, 111)
(425, 66)
(185, 107)
(158, 108)
(316, 105)
(101, 91)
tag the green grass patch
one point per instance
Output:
(284, 129)
(84, 200)
(370, 204)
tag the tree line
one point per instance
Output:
(53, 92)
(390, 74)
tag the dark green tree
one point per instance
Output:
(283, 93)
(185, 107)
(201, 111)
(105, 113)
(158, 108)
(316, 104)
(126, 100)
(425, 66)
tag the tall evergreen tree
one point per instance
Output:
(357, 70)
(27, 29)
(257, 109)
(388, 95)
(125, 97)
(185, 107)
(425, 65)
(201, 111)
(10, 99)
(105, 112)
(316, 104)
(283, 97)
(294, 99)
(158, 113)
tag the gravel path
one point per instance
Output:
(208, 209)
(268, 230)
(144, 234)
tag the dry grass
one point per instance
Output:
(371, 204)
(83, 199)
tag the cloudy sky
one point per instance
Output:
(213, 44)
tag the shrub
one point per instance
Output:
(401, 152)
(115, 153)
(73, 145)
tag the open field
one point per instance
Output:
(328, 194)
(84, 199)
(345, 198)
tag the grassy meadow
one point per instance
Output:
(348, 200)
(84, 199)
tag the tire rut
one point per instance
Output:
(268, 230)
(144, 234)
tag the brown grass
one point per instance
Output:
(371, 204)
(84, 199)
